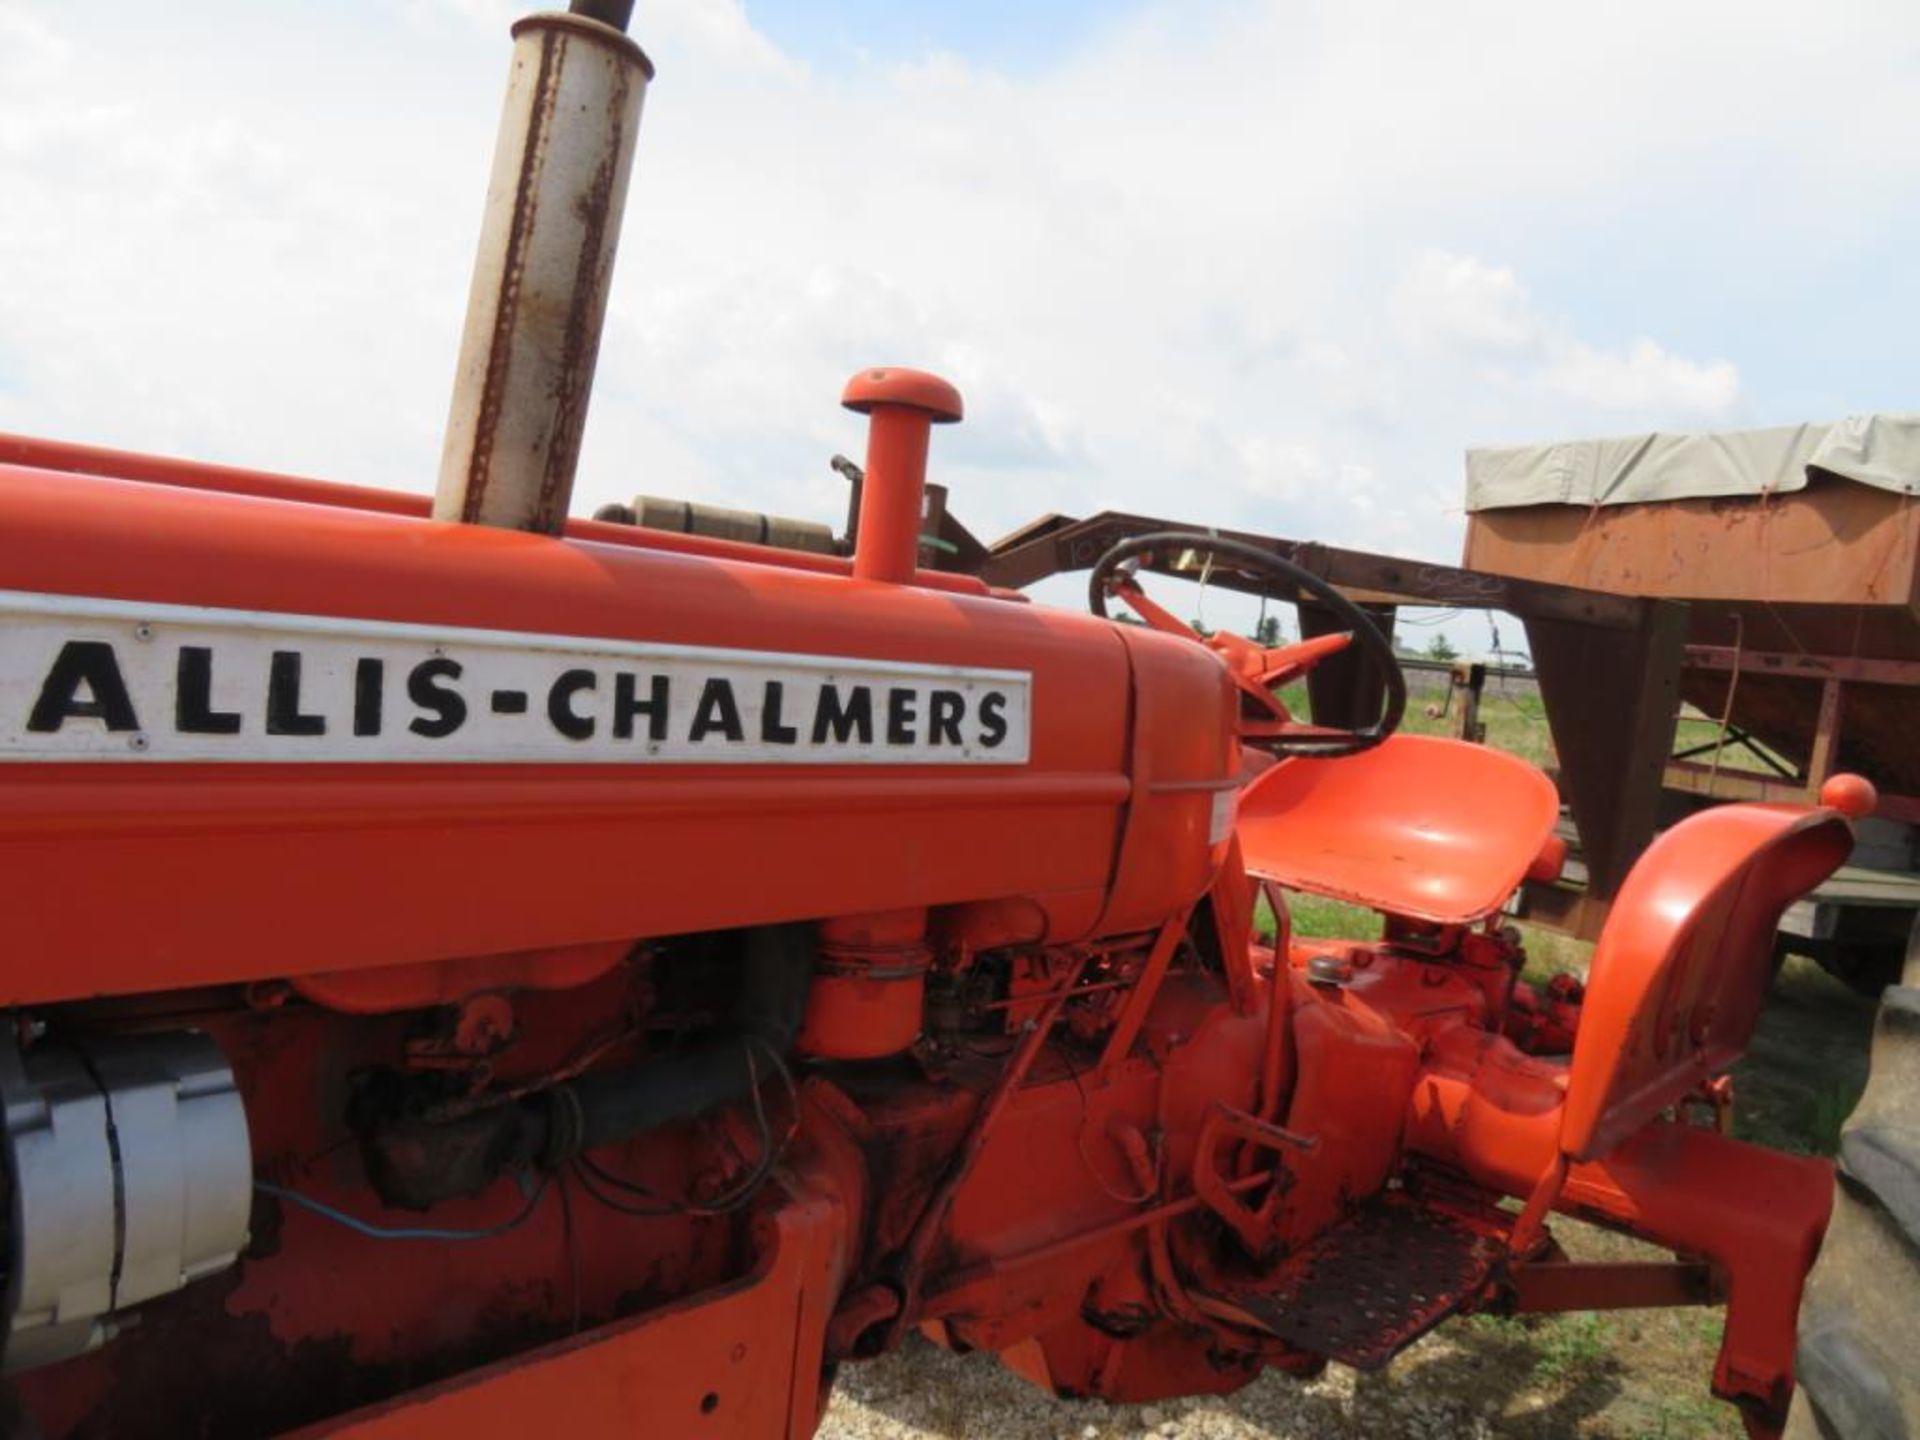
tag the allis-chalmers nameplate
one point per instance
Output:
(92, 679)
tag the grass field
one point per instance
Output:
(1515, 719)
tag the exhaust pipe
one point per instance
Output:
(547, 241)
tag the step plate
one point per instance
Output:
(1377, 1282)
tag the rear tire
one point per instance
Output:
(1860, 1317)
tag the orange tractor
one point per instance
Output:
(470, 970)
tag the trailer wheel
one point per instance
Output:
(1860, 1317)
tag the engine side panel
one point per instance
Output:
(147, 875)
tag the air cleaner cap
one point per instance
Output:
(915, 389)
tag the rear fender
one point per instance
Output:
(1684, 963)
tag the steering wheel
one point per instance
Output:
(1265, 722)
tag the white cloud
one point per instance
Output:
(1284, 470)
(1644, 379)
(1459, 309)
(1455, 300)
(1244, 263)
(29, 46)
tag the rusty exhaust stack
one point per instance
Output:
(547, 242)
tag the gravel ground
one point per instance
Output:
(923, 1393)
(1437, 1390)
(1440, 1390)
(1632, 1375)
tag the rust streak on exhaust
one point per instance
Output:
(542, 274)
(581, 351)
(525, 208)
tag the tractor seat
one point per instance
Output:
(1432, 829)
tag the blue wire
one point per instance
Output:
(388, 1232)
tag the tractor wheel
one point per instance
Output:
(1860, 1318)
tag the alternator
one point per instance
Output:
(131, 1175)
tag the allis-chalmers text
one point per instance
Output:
(91, 679)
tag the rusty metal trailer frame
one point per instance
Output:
(1833, 673)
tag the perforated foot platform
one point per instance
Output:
(1376, 1282)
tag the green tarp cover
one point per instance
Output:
(1878, 450)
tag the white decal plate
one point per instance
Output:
(92, 679)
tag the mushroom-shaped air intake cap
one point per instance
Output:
(915, 389)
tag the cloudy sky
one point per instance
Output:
(1262, 264)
